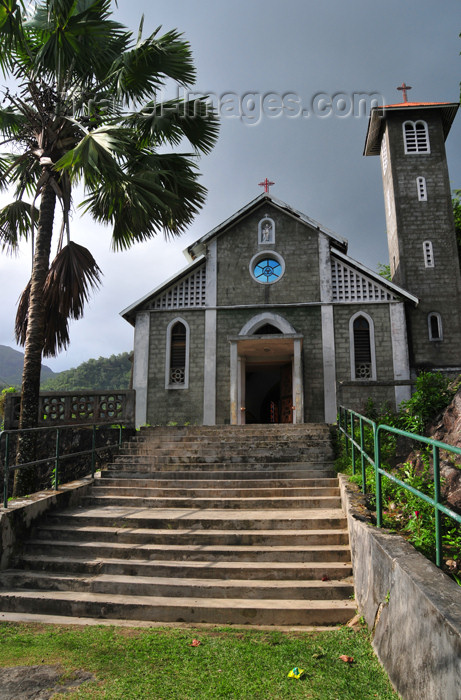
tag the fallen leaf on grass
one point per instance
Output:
(195, 643)
(347, 659)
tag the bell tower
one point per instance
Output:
(410, 139)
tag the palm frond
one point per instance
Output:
(171, 121)
(11, 33)
(11, 122)
(56, 333)
(76, 36)
(161, 193)
(73, 274)
(20, 327)
(16, 221)
(96, 156)
(138, 73)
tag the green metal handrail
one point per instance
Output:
(347, 417)
(58, 456)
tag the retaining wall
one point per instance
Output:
(411, 606)
(19, 517)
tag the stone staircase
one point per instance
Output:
(226, 525)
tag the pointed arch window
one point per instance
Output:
(416, 137)
(434, 322)
(421, 189)
(362, 346)
(177, 355)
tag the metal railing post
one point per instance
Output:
(6, 473)
(438, 515)
(379, 507)
(362, 458)
(56, 461)
(352, 444)
(345, 433)
(93, 451)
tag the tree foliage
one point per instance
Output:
(85, 111)
(112, 372)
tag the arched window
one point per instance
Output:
(421, 189)
(434, 322)
(177, 355)
(416, 137)
(428, 254)
(362, 344)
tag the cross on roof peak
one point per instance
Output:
(266, 184)
(404, 89)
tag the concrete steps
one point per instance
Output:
(218, 525)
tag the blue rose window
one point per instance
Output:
(267, 270)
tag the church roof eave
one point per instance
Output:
(376, 121)
(199, 246)
(129, 314)
(394, 288)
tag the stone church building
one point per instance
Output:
(272, 321)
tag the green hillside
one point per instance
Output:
(11, 364)
(112, 372)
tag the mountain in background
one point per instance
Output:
(11, 364)
(112, 372)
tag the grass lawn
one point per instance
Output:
(160, 663)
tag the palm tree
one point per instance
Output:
(86, 112)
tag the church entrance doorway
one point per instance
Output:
(266, 378)
(268, 393)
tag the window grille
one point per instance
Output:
(416, 137)
(178, 354)
(428, 254)
(190, 292)
(421, 189)
(350, 285)
(362, 349)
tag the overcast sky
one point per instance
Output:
(297, 54)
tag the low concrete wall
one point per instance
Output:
(412, 608)
(19, 517)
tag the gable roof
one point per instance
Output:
(376, 122)
(199, 246)
(129, 314)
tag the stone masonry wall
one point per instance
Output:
(354, 394)
(438, 287)
(294, 241)
(305, 320)
(178, 405)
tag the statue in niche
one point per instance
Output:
(266, 232)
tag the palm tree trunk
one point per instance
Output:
(25, 480)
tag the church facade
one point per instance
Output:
(272, 321)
